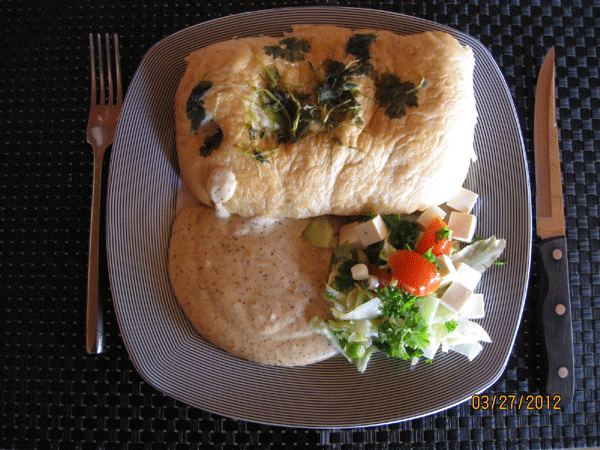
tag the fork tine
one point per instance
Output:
(109, 71)
(101, 66)
(93, 69)
(118, 70)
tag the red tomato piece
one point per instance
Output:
(431, 239)
(383, 275)
(415, 273)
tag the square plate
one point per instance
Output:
(173, 358)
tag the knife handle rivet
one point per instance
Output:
(557, 254)
(560, 309)
(563, 372)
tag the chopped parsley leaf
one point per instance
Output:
(211, 143)
(284, 108)
(359, 45)
(396, 95)
(291, 48)
(336, 96)
(404, 333)
(429, 255)
(343, 280)
(396, 303)
(451, 325)
(195, 105)
(402, 233)
(443, 233)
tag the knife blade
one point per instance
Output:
(554, 297)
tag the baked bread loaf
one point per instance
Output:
(326, 120)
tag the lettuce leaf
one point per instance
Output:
(481, 254)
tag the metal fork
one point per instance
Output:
(106, 102)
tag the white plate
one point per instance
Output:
(173, 358)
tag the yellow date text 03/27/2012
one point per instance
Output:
(515, 402)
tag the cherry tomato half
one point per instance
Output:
(415, 273)
(435, 238)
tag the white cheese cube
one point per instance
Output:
(456, 296)
(429, 214)
(447, 269)
(374, 230)
(373, 282)
(348, 234)
(467, 275)
(462, 226)
(463, 200)
(420, 234)
(360, 272)
(474, 308)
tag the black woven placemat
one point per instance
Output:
(55, 396)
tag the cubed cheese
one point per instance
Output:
(474, 308)
(456, 296)
(372, 231)
(348, 234)
(447, 269)
(360, 272)
(420, 234)
(463, 200)
(429, 214)
(373, 282)
(467, 275)
(462, 226)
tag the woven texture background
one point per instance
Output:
(55, 396)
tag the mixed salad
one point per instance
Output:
(406, 286)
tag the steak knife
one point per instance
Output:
(554, 297)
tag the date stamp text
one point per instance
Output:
(515, 402)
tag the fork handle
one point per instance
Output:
(94, 318)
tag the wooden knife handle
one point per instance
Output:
(555, 306)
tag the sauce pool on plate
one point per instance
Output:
(250, 286)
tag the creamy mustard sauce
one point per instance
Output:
(250, 286)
